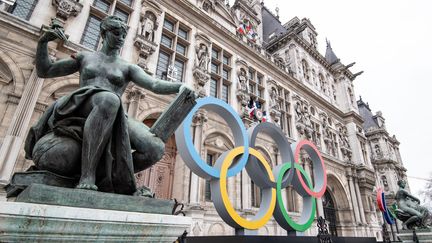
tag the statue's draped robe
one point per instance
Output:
(115, 171)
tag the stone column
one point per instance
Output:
(134, 96)
(195, 187)
(360, 201)
(17, 130)
(353, 198)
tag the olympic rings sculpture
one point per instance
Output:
(388, 215)
(244, 155)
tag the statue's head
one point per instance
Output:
(401, 183)
(113, 31)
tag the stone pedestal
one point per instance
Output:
(423, 236)
(22, 222)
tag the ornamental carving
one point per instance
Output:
(344, 143)
(303, 117)
(66, 8)
(242, 91)
(201, 64)
(274, 105)
(144, 41)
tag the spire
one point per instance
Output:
(330, 56)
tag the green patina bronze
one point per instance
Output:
(51, 195)
(87, 135)
(409, 210)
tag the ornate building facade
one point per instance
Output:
(241, 54)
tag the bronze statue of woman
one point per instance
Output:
(410, 205)
(86, 134)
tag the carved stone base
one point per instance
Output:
(27, 222)
(43, 194)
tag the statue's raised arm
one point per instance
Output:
(142, 79)
(44, 66)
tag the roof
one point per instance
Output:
(367, 115)
(272, 27)
(330, 56)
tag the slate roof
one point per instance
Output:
(271, 24)
(330, 56)
(367, 115)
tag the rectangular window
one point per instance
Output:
(260, 80)
(23, 8)
(127, 2)
(210, 159)
(213, 87)
(260, 93)
(181, 49)
(102, 5)
(121, 14)
(166, 41)
(179, 65)
(251, 88)
(215, 54)
(226, 60)
(91, 33)
(168, 25)
(183, 33)
(214, 68)
(251, 75)
(225, 74)
(162, 66)
(225, 93)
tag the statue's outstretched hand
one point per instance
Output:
(51, 34)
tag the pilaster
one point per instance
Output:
(18, 128)
(195, 188)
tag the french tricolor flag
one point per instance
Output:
(251, 108)
(264, 118)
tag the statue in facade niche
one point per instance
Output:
(86, 134)
(409, 210)
(147, 27)
(242, 78)
(274, 104)
(202, 57)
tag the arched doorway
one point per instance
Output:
(330, 212)
(159, 177)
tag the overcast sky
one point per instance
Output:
(390, 40)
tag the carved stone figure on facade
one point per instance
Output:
(202, 57)
(378, 152)
(289, 64)
(344, 143)
(409, 210)
(303, 119)
(274, 104)
(326, 129)
(86, 134)
(305, 69)
(242, 87)
(144, 41)
(343, 137)
(148, 26)
(299, 112)
(242, 78)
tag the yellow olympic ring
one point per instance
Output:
(262, 219)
